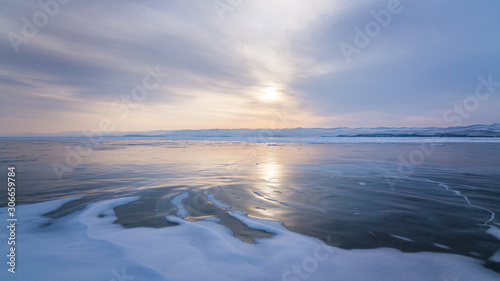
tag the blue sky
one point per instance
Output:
(159, 65)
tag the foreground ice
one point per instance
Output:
(86, 245)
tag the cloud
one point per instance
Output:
(427, 58)
(91, 53)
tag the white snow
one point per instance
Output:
(401, 238)
(177, 202)
(83, 246)
(216, 202)
(442, 246)
(495, 257)
(494, 231)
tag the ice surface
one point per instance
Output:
(86, 245)
(492, 214)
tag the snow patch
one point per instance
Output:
(177, 202)
(442, 246)
(401, 238)
(86, 246)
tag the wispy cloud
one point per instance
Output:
(92, 52)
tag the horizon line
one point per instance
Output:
(256, 129)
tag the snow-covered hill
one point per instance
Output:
(490, 131)
(469, 131)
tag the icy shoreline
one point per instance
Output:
(86, 245)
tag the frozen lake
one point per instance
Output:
(157, 209)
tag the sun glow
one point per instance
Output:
(270, 94)
(271, 175)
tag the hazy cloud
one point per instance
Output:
(423, 59)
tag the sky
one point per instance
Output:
(71, 65)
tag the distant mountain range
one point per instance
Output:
(489, 131)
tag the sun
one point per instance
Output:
(270, 94)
